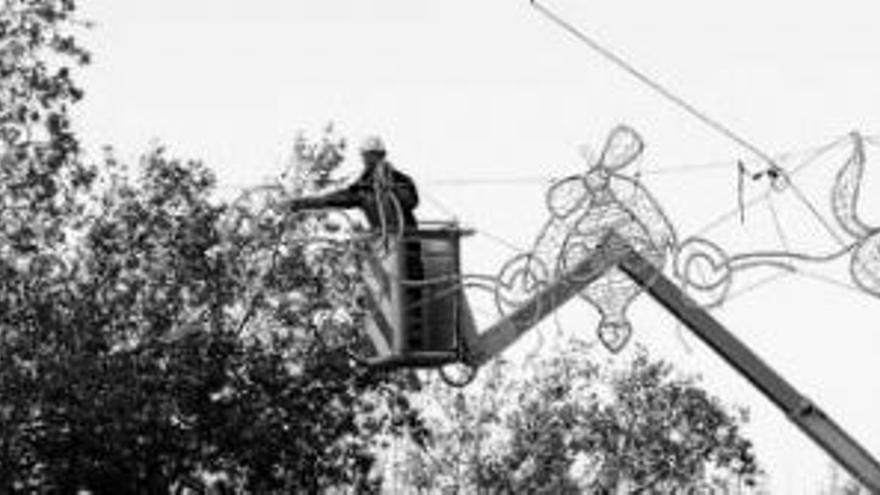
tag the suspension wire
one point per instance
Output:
(439, 204)
(810, 155)
(815, 212)
(689, 108)
(812, 151)
(550, 178)
(656, 86)
(492, 181)
(489, 235)
(678, 169)
(777, 223)
(818, 152)
(502, 241)
(814, 155)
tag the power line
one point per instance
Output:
(439, 204)
(777, 223)
(814, 155)
(493, 181)
(489, 235)
(688, 107)
(502, 241)
(550, 178)
(653, 84)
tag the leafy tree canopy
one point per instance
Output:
(575, 427)
(152, 337)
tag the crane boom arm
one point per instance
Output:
(615, 251)
(484, 346)
(799, 409)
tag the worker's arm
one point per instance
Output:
(350, 197)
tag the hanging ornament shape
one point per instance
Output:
(614, 335)
(584, 210)
(612, 293)
(865, 264)
(623, 146)
(567, 196)
(845, 192)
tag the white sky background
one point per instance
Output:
(491, 90)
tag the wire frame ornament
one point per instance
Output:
(865, 260)
(584, 209)
(706, 271)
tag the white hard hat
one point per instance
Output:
(372, 143)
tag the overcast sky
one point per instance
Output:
(470, 95)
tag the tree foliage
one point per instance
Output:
(153, 337)
(39, 170)
(839, 482)
(575, 427)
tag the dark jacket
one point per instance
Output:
(379, 189)
(377, 192)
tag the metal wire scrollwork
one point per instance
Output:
(583, 209)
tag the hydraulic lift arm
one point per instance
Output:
(614, 253)
(799, 409)
(617, 252)
(484, 346)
